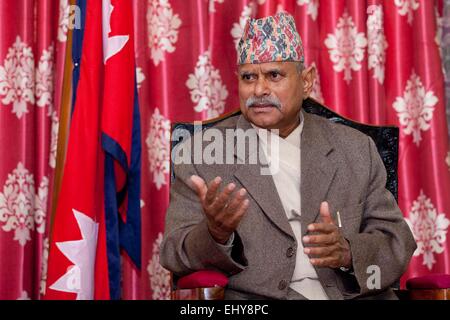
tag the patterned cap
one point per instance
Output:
(273, 38)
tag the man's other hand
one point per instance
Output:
(223, 211)
(330, 248)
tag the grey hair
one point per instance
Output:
(300, 66)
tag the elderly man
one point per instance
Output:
(322, 225)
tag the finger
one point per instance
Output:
(322, 227)
(319, 252)
(229, 222)
(325, 214)
(199, 186)
(323, 262)
(238, 198)
(320, 239)
(223, 198)
(212, 190)
(240, 212)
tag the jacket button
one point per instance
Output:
(282, 285)
(290, 252)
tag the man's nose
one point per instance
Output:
(262, 87)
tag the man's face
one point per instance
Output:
(271, 94)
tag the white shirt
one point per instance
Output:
(287, 181)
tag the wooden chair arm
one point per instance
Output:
(214, 293)
(200, 285)
(429, 294)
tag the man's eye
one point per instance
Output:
(274, 75)
(247, 77)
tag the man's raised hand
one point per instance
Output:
(222, 210)
(331, 248)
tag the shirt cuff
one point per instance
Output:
(228, 246)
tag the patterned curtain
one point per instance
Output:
(445, 48)
(33, 35)
(378, 62)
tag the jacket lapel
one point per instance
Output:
(317, 173)
(260, 187)
(317, 170)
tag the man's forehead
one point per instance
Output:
(255, 67)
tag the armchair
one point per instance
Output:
(209, 285)
(429, 287)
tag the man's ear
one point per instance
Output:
(309, 76)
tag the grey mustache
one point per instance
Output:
(255, 101)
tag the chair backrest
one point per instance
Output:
(386, 138)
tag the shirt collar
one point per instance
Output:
(294, 137)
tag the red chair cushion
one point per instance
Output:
(432, 281)
(202, 279)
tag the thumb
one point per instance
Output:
(325, 212)
(198, 185)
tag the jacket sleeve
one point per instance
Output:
(385, 242)
(187, 244)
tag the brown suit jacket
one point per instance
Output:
(339, 165)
